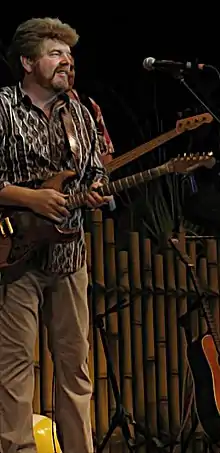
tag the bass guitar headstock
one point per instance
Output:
(186, 164)
(192, 122)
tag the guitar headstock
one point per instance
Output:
(189, 163)
(187, 124)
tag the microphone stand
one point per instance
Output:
(180, 77)
(122, 418)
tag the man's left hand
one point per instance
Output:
(94, 200)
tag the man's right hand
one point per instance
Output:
(49, 203)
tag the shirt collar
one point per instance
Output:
(21, 97)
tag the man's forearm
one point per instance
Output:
(12, 195)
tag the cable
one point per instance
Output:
(214, 69)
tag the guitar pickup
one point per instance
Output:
(6, 227)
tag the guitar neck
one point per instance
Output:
(114, 187)
(211, 323)
(128, 157)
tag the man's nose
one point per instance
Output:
(65, 60)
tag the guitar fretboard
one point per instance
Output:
(114, 187)
(211, 323)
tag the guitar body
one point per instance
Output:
(204, 364)
(30, 233)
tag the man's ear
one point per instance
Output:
(26, 63)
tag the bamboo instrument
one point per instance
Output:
(125, 354)
(136, 329)
(148, 340)
(101, 378)
(172, 343)
(112, 320)
(161, 346)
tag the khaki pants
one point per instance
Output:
(65, 310)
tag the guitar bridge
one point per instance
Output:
(6, 227)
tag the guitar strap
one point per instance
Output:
(70, 132)
(69, 129)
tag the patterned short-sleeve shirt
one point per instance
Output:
(32, 147)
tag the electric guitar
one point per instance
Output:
(186, 124)
(203, 355)
(22, 231)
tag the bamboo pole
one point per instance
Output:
(191, 251)
(91, 325)
(172, 344)
(189, 290)
(136, 326)
(112, 321)
(111, 299)
(125, 353)
(148, 340)
(212, 267)
(101, 378)
(181, 310)
(203, 277)
(195, 323)
(160, 337)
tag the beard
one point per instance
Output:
(60, 83)
(54, 82)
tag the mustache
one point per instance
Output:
(61, 69)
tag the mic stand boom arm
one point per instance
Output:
(182, 80)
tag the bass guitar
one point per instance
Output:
(22, 231)
(186, 124)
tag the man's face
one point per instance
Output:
(51, 68)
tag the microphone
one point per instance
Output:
(151, 63)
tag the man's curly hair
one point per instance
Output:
(30, 35)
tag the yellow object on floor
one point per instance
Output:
(44, 436)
